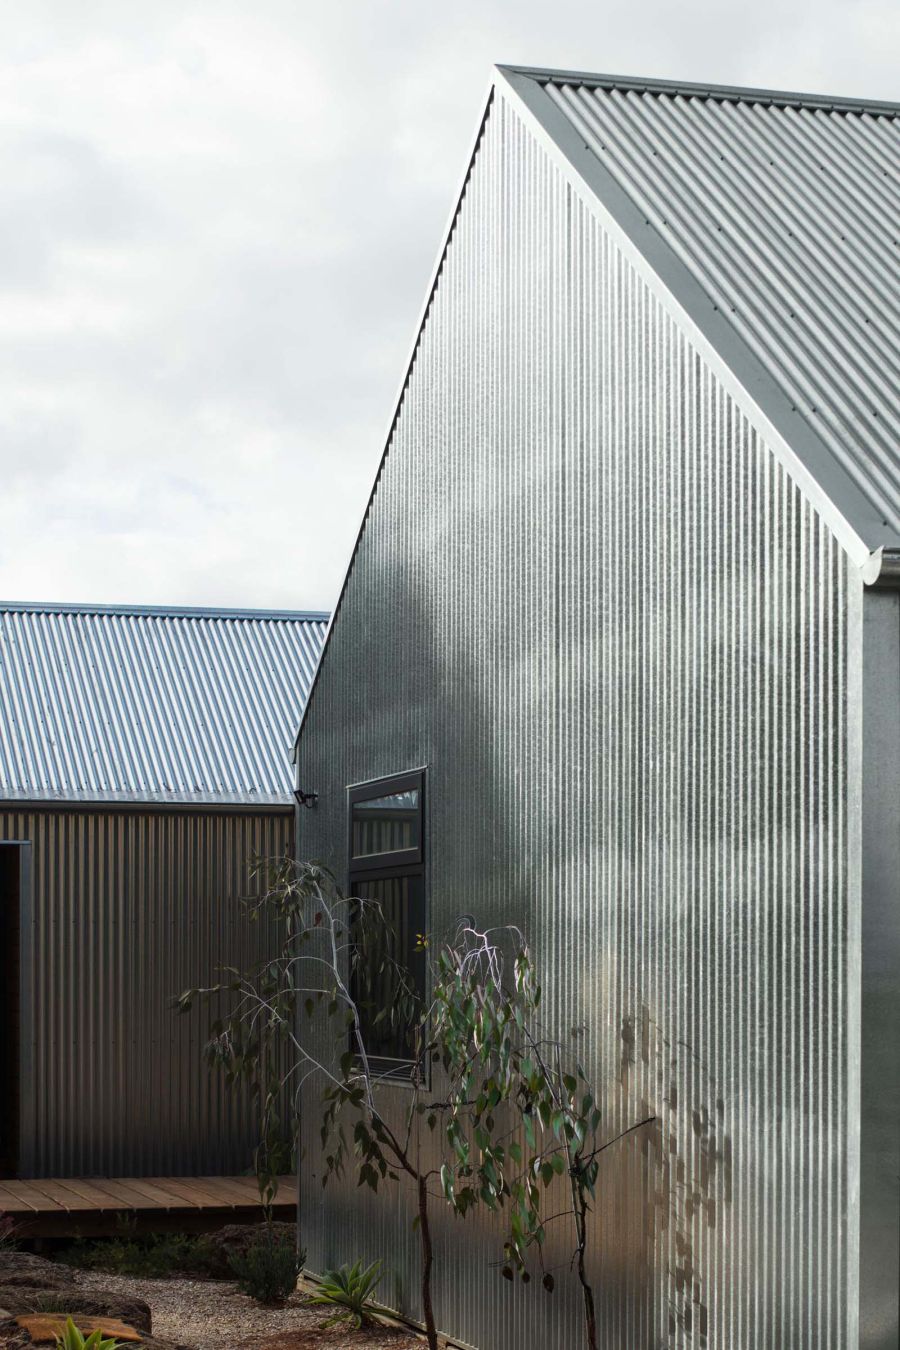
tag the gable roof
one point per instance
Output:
(772, 222)
(767, 224)
(108, 703)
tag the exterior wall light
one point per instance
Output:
(307, 799)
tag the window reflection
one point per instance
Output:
(389, 969)
(386, 824)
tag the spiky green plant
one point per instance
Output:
(349, 1291)
(73, 1339)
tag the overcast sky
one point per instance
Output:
(218, 222)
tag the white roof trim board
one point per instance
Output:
(768, 223)
(113, 705)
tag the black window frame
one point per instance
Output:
(399, 863)
(413, 858)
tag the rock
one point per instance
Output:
(15, 1337)
(17, 1300)
(236, 1237)
(78, 1302)
(45, 1328)
(35, 1272)
(12, 1337)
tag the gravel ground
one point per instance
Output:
(213, 1315)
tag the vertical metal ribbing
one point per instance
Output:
(130, 908)
(592, 602)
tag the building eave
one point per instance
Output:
(183, 803)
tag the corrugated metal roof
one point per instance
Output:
(785, 208)
(105, 703)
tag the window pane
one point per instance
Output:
(385, 824)
(389, 972)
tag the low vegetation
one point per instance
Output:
(73, 1339)
(499, 1113)
(348, 1291)
(147, 1255)
(267, 1267)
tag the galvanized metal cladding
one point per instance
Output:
(787, 216)
(621, 640)
(106, 703)
(127, 909)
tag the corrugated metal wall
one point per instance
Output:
(591, 601)
(128, 910)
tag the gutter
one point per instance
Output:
(882, 571)
(138, 807)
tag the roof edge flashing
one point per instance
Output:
(724, 93)
(227, 804)
(164, 611)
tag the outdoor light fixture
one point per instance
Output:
(307, 799)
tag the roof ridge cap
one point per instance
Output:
(718, 92)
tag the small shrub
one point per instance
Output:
(349, 1290)
(48, 1301)
(72, 1339)
(268, 1266)
(7, 1230)
(148, 1255)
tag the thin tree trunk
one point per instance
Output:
(579, 1214)
(427, 1263)
(590, 1315)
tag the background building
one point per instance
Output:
(624, 596)
(144, 760)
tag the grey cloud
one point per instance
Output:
(218, 227)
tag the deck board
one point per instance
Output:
(123, 1191)
(71, 1205)
(193, 1193)
(155, 1193)
(244, 1190)
(88, 1196)
(25, 1196)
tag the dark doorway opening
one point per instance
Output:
(11, 885)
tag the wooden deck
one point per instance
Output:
(91, 1206)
